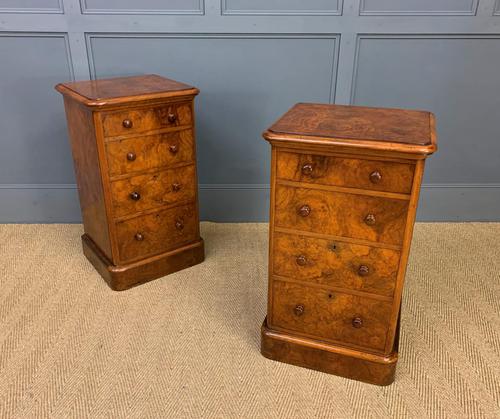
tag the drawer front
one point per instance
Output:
(357, 216)
(156, 233)
(331, 315)
(149, 191)
(149, 152)
(353, 173)
(139, 120)
(334, 263)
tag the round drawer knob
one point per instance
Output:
(173, 148)
(375, 177)
(357, 322)
(172, 117)
(135, 196)
(139, 237)
(301, 260)
(304, 210)
(131, 156)
(179, 225)
(176, 187)
(299, 310)
(307, 169)
(127, 123)
(370, 219)
(363, 270)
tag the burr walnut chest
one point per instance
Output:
(133, 144)
(345, 183)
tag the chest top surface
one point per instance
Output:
(124, 89)
(356, 126)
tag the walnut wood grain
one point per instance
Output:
(346, 172)
(132, 185)
(125, 276)
(90, 184)
(330, 315)
(146, 119)
(345, 182)
(341, 214)
(158, 232)
(356, 122)
(144, 192)
(118, 91)
(332, 359)
(150, 152)
(334, 263)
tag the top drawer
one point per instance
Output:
(339, 171)
(132, 121)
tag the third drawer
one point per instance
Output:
(144, 192)
(337, 264)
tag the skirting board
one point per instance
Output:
(34, 203)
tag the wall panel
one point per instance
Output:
(246, 82)
(455, 77)
(281, 7)
(252, 59)
(418, 7)
(142, 7)
(34, 142)
(31, 6)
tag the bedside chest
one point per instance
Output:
(133, 143)
(345, 183)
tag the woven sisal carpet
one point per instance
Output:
(187, 345)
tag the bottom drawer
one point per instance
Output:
(343, 318)
(158, 232)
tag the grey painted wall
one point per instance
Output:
(252, 60)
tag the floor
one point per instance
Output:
(187, 345)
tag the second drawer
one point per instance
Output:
(372, 218)
(149, 152)
(155, 233)
(333, 263)
(149, 191)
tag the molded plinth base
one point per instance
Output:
(320, 356)
(122, 277)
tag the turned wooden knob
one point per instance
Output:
(135, 196)
(307, 169)
(173, 148)
(357, 322)
(127, 123)
(301, 260)
(370, 219)
(131, 156)
(375, 177)
(298, 310)
(176, 187)
(179, 225)
(139, 237)
(172, 117)
(363, 270)
(304, 210)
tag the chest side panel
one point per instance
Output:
(88, 174)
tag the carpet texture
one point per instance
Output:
(187, 345)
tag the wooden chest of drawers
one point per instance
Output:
(133, 146)
(345, 183)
